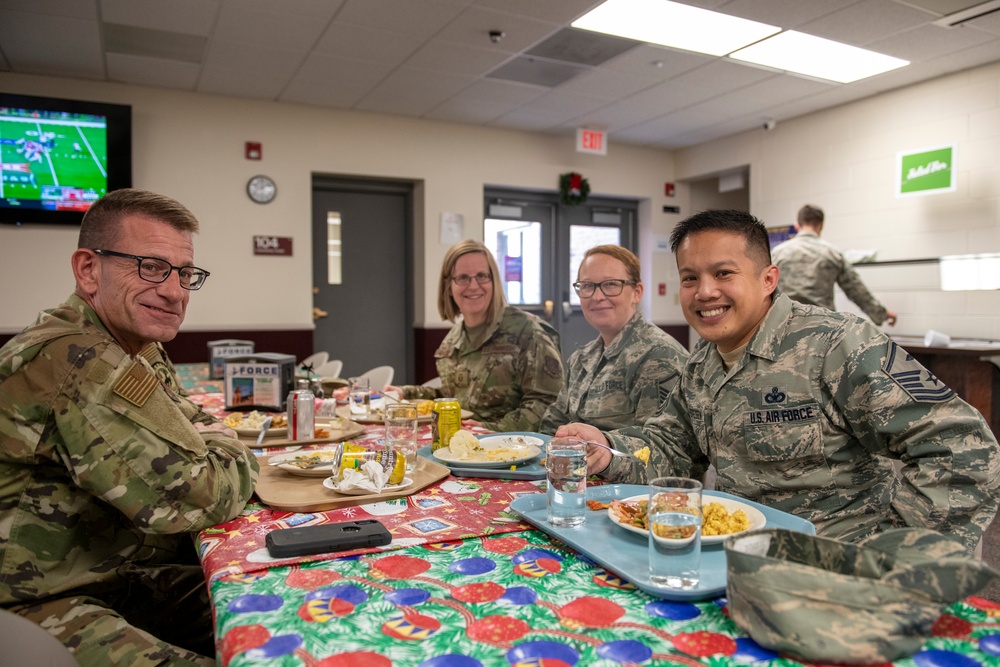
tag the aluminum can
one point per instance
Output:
(446, 423)
(354, 456)
(301, 408)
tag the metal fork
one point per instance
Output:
(614, 452)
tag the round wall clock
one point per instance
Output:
(262, 189)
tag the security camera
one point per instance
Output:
(496, 36)
(769, 124)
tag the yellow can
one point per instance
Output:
(447, 422)
(354, 456)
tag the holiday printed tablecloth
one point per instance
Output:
(518, 599)
(449, 510)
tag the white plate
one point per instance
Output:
(388, 488)
(502, 440)
(525, 452)
(254, 432)
(286, 462)
(756, 517)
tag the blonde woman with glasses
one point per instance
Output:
(624, 375)
(499, 362)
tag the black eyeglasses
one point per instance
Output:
(156, 270)
(464, 280)
(608, 287)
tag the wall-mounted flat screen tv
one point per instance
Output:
(57, 157)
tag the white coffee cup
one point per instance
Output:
(936, 339)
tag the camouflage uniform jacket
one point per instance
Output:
(807, 422)
(809, 269)
(508, 380)
(621, 384)
(100, 461)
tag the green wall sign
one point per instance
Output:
(927, 171)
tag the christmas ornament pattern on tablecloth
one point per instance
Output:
(518, 599)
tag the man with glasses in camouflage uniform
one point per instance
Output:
(106, 470)
(804, 409)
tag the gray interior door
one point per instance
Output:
(539, 242)
(362, 244)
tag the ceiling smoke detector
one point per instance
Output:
(497, 35)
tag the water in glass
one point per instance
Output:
(566, 474)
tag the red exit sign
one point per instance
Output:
(591, 141)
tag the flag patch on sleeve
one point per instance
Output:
(922, 385)
(136, 385)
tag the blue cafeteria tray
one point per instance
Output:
(533, 470)
(627, 554)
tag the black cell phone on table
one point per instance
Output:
(328, 538)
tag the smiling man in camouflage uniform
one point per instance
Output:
(106, 471)
(802, 409)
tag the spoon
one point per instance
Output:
(263, 429)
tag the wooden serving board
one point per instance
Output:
(350, 430)
(294, 493)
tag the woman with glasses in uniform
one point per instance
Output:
(499, 362)
(625, 374)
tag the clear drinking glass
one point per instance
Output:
(360, 396)
(566, 474)
(674, 522)
(401, 431)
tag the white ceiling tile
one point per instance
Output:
(554, 11)
(157, 72)
(274, 29)
(51, 45)
(189, 17)
(472, 27)
(864, 22)
(928, 42)
(456, 58)
(363, 42)
(236, 69)
(69, 8)
(417, 19)
(334, 81)
(413, 92)
(319, 9)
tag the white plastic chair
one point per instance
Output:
(329, 369)
(433, 383)
(315, 360)
(26, 644)
(379, 376)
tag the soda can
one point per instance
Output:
(301, 408)
(447, 422)
(354, 456)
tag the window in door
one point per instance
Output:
(517, 247)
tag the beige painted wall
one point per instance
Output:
(844, 160)
(190, 146)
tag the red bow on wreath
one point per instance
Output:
(573, 188)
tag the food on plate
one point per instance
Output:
(716, 519)
(643, 455)
(320, 432)
(425, 407)
(467, 447)
(597, 505)
(311, 459)
(254, 420)
(463, 444)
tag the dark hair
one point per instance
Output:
(753, 231)
(811, 216)
(101, 222)
(623, 255)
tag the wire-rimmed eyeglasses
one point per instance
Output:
(156, 270)
(608, 287)
(463, 280)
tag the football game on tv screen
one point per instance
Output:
(57, 157)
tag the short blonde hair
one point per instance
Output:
(447, 307)
(623, 255)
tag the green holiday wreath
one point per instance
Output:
(573, 188)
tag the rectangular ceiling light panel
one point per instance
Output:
(675, 25)
(798, 52)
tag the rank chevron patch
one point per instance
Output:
(914, 379)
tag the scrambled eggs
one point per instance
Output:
(643, 455)
(717, 520)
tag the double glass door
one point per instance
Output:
(539, 242)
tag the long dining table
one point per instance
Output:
(466, 582)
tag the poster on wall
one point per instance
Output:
(927, 171)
